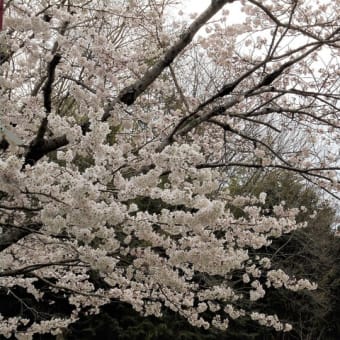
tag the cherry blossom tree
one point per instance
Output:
(121, 127)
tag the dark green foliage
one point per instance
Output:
(311, 253)
(120, 322)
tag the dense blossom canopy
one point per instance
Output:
(121, 128)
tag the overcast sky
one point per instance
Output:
(196, 5)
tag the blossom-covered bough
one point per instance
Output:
(130, 129)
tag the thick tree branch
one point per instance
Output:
(38, 146)
(12, 234)
(47, 89)
(40, 150)
(129, 94)
(195, 118)
(28, 269)
(308, 171)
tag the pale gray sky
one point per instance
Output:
(196, 5)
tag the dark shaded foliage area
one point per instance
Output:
(312, 252)
(119, 321)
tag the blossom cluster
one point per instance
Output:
(121, 189)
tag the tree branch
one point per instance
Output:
(13, 234)
(130, 93)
